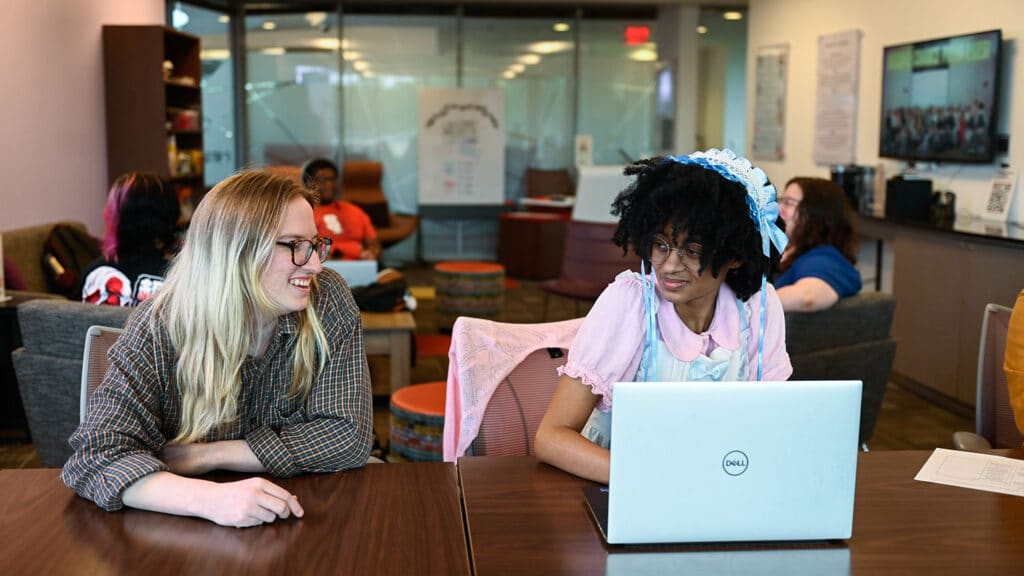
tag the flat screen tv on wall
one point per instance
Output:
(940, 99)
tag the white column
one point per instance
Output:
(677, 44)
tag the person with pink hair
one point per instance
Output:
(141, 216)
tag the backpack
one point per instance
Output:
(381, 297)
(67, 252)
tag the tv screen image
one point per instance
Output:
(940, 98)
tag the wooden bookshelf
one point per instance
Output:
(153, 116)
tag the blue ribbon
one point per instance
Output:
(766, 219)
(650, 350)
(706, 371)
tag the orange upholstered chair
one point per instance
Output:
(361, 185)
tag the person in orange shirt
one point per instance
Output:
(1014, 361)
(347, 225)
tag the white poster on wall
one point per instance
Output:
(770, 103)
(835, 115)
(584, 150)
(461, 146)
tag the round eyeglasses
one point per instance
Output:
(788, 201)
(661, 249)
(302, 250)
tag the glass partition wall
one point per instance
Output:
(617, 89)
(386, 60)
(531, 61)
(342, 83)
(722, 79)
(217, 85)
(292, 94)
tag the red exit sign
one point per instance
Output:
(637, 35)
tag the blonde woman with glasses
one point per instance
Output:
(249, 359)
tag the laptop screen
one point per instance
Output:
(355, 272)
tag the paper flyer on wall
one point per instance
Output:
(1000, 196)
(770, 103)
(835, 114)
(973, 470)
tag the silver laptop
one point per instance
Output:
(355, 272)
(730, 462)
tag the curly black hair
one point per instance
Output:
(704, 205)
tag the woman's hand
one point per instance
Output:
(244, 503)
(247, 503)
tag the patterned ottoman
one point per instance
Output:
(417, 422)
(468, 288)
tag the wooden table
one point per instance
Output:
(523, 517)
(383, 519)
(389, 334)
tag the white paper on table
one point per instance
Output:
(973, 470)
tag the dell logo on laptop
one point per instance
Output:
(734, 463)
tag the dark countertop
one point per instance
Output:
(960, 225)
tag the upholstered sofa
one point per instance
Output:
(24, 246)
(49, 368)
(850, 341)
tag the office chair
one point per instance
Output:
(501, 377)
(48, 366)
(98, 340)
(590, 263)
(993, 419)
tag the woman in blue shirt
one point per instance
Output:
(817, 268)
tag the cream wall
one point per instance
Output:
(883, 22)
(54, 157)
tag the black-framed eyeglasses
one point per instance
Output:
(689, 255)
(302, 250)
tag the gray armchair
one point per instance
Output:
(850, 341)
(49, 368)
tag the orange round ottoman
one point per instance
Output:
(468, 288)
(417, 422)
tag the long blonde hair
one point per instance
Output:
(212, 299)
